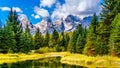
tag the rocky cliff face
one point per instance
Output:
(68, 24)
(59, 25)
(45, 25)
(25, 21)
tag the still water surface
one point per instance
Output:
(42, 63)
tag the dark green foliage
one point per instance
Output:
(110, 9)
(55, 36)
(61, 42)
(25, 41)
(72, 43)
(58, 48)
(79, 47)
(67, 38)
(9, 38)
(3, 40)
(46, 39)
(13, 25)
(38, 40)
(91, 37)
(114, 42)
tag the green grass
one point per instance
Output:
(67, 58)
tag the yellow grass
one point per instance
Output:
(91, 62)
(14, 58)
(67, 58)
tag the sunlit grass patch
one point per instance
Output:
(88, 61)
(13, 58)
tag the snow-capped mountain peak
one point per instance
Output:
(25, 21)
(68, 24)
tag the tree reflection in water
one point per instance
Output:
(42, 63)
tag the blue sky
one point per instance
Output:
(35, 10)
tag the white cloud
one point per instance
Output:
(32, 15)
(35, 16)
(40, 12)
(17, 9)
(48, 3)
(81, 8)
(5, 8)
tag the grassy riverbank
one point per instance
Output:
(67, 58)
(92, 62)
(14, 58)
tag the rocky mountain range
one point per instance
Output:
(68, 24)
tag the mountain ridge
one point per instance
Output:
(47, 25)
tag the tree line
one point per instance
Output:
(100, 38)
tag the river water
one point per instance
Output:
(42, 63)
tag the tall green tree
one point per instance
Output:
(114, 43)
(91, 37)
(79, 47)
(38, 39)
(72, 43)
(25, 41)
(67, 38)
(15, 27)
(46, 39)
(11, 30)
(61, 42)
(54, 39)
(9, 38)
(110, 9)
(81, 41)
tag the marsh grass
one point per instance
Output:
(92, 62)
(66, 58)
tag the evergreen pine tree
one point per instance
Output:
(91, 37)
(61, 42)
(25, 41)
(72, 44)
(15, 27)
(38, 40)
(114, 43)
(67, 38)
(110, 9)
(10, 31)
(79, 47)
(81, 41)
(46, 39)
(9, 38)
(54, 38)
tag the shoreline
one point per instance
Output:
(66, 58)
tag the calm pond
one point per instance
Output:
(42, 63)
